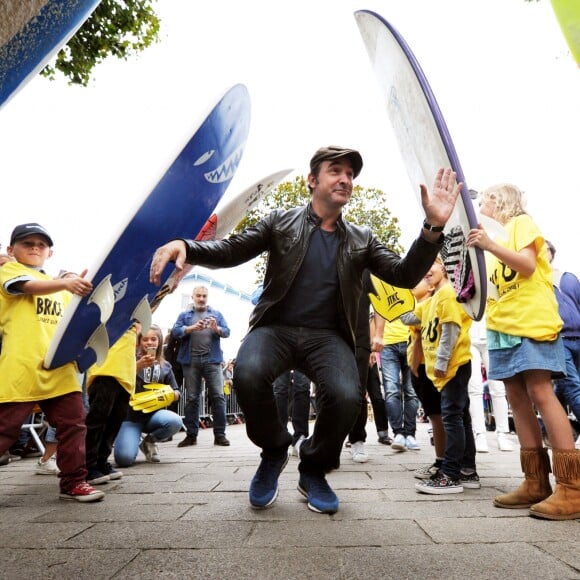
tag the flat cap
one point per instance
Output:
(334, 152)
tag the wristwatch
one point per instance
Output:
(431, 228)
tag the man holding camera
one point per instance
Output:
(200, 329)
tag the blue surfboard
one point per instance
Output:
(31, 33)
(226, 217)
(425, 145)
(177, 207)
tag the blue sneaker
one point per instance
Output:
(315, 488)
(264, 485)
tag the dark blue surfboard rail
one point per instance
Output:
(177, 207)
(41, 36)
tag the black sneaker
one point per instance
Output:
(108, 469)
(189, 440)
(427, 471)
(315, 488)
(96, 477)
(470, 481)
(264, 484)
(439, 484)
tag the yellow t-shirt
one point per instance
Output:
(28, 323)
(526, 306)
(413, 330)
(395, 332)
(437, 310)
(120, 363)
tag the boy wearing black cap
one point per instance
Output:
(31, 304)
(306, 316)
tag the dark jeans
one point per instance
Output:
(266, 352)
(460, 444)
(108, 406)
(370, 378)
(195, 374)
(292, 390)
(377, 399)
(567, 389)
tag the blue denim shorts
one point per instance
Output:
(505, 363)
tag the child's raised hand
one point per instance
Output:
(78, 285)
(478, 237)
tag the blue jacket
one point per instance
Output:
(568, 295)
(186, 319)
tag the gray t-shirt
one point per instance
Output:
(200, 340)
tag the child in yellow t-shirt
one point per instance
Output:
(31, 304)
(109, 387)
(526, 352)
(446, 347)
(428, 394)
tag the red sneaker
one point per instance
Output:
(82, 492)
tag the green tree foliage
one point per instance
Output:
(366, 207)
(116, 27)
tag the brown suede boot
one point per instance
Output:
(564, 503)
(536, 485)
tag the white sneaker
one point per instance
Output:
(503, 442)
(296, 447)
(150, 450)
(358, 452)
(398, 443)
(481, 443)
(411, 443)
(47, 467)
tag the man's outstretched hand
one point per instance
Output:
(171, 252)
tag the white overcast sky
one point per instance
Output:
(78, 160)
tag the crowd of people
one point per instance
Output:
(313, 330)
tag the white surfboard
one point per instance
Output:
(425, 145)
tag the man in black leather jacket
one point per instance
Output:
(307, 314)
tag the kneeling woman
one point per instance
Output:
(158, 425)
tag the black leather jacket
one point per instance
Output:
(285, 235)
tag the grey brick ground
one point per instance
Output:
(189, 517)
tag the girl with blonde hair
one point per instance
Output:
(526, 353)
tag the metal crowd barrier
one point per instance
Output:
(233, 412)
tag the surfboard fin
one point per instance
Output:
(99, 342)
(104, 297)
(142, 313)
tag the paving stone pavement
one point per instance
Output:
(189, 517)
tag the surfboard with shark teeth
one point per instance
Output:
(31, 33)
(177, 206)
